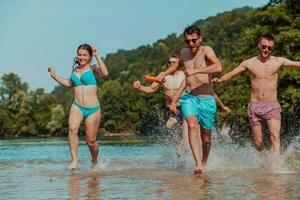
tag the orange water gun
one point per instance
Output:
(154, 79)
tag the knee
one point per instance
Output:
(206, 140)
(259, 145)
(73, 129)
(205, 137)
(275, 137)
(91, 143)
(192, 126)
(206, 143)
(171, 123)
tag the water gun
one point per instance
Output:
(154, 79)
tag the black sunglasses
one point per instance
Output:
(171, 62)
(270, 48)
(191, 40)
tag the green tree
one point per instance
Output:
(18, 119)
(56, 122)
(112, 98)
(10, 84)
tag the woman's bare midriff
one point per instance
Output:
(86, 95)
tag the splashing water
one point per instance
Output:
(230, 156)
(292, 154)
(37, 169)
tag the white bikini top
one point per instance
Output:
(173, 82)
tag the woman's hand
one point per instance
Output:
(136, 84)
(52, 72)
(101, 65)
(95, 51)
(65, 82)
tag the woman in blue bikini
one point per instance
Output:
(86, 104)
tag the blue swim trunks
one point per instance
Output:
(204, 108)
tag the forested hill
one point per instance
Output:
(123, 106)
(219, 32)
(233, 35)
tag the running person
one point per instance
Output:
(170, 85)
(86, 105)
(263, 105)
(198, 104)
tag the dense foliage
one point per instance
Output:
(233, 35)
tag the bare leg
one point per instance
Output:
(74, 187)
(206, 143)
(185, 135)
(91, 129)
(171, 123)
(75, 119)
(195, 142)
(274, 130)
(257, 136)
(173, 127)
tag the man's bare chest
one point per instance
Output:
(198, 61)
(264, 70)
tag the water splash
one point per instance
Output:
(292, 154)
(229, 156)
(225, 156)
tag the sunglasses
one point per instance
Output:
(171, 62)
(191, 40)
(270, 48)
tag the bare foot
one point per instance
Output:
(73, 165)
(94, 166)
(198, 170)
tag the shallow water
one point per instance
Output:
(37, 169)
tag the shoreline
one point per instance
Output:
(102, 139)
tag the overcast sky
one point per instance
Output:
(37, 33)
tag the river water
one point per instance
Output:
(37, 169)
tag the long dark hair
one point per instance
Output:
(84, 47)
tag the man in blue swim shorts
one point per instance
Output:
(196, 94)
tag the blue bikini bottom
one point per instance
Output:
(87, 111)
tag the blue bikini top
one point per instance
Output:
(87, 78)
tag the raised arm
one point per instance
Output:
(147, 89)
(289, 63)
(101, 68)
(170, 70)
(214, 67)
(65, 82)
(226, 77)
